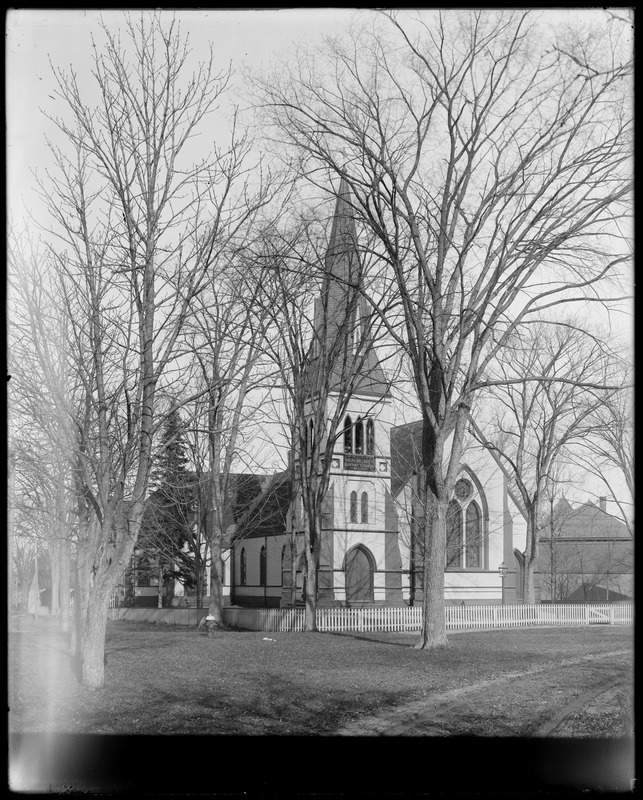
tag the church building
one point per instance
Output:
(371, 518)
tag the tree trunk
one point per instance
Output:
(531, 554)
(433, 627)
(54, 560)
(24, 594)
(93, 640)
(215, 607)
(312, 546)
(311, 593)
(159, 593)
(13, 599)
(198, 573)
(65, 577)
(76, 617)
(293, 569)
(552, 555)
(294, 518)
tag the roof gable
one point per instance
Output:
(587, 521)
(406, 454)
(406, 460)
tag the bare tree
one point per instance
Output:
(138, 227)
(492, 170)
(608, 453)
(222, 342)
(324, 334)
(537, 420)
(41, 436)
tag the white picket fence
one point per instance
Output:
(410, 618)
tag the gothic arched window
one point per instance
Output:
(353, 507)
(465, 535)
(311, 437)
(359, 436)
(243, 567)
(348, 434)
(454, 536)
(262, 566)
(364, 507)
(473, 536)
(370, 437)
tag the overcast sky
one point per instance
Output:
(36, 37)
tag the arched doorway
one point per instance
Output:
(359, 568)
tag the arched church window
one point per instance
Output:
(262, 566)
(473, 536)
(311, 436)
(364, 507)
(348, 434)
(454, 536)
(465, 528)
(463, 489)
(353, 507)
(243, 567)
(359, 436)
(370, 437)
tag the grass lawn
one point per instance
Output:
(177, 681)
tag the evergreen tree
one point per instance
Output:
(169, 471)
(168, 517)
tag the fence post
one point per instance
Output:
(586, 615)
(611, 615)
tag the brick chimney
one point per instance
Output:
(602, 503)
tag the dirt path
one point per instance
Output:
(539, 702)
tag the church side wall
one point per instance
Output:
(254, 593)
(503, 527)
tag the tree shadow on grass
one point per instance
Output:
(361, 637)
(278, 707)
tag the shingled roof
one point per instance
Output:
(587, 521)
(261, 506)
(257, 504)
(406, 454)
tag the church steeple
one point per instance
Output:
(341, 311)
(342, 257)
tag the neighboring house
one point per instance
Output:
(591, 556)
(589, 593)
(370, 544)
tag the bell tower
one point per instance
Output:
(359, 551)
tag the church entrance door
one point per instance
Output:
(359, 576)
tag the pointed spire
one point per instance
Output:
(338, 298)
(340, 265)
(341, 255)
